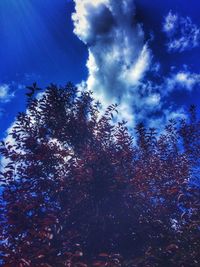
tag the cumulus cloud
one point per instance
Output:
(187, 80)
(5, 93)
(120, 62)
(119, 56)
(154, 97)
(182, 80)
(158, 93)
(170, 24)
(181, 32)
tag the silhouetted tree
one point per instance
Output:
(79, 192)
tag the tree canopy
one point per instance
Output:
(79, 190)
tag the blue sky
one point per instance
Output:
(144, 55)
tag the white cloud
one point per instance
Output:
(182, 33)
(5, 93)
(8, 139)
(182, 80)
(170, 24)
(171, 113)
(153, 99)
(119, 56)
(187, 79)
(132, 75)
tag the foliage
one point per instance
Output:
(80, 191)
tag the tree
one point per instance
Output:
(79, 192)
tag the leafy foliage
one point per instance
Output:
(80, 191)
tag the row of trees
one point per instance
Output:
(80, 191)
